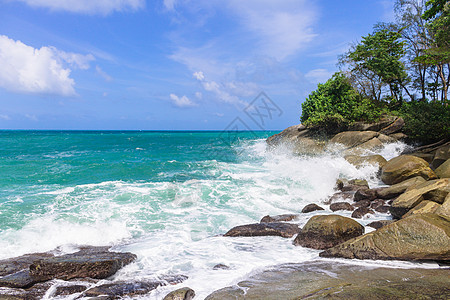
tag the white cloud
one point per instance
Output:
(199, 95)
(103, 74)
(26, 69)
(5, 117)
(319, 75)
(103, 7)
(182, 101)
(170, 4)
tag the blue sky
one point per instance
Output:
(169, 64)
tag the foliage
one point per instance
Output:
(426, 122)
(335, 104)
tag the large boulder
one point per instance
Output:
(443, 171)
(285, 230)
(289, 134)
(84, 263)
(396, 126)
(341, 206)
(311, 207)
(404, 167)
(278, 218)
(16, 264)
(435, 190)
(397, 189)
(361, 161)
(424, 207)
(301, 139)
(377, 126)
(442, 154)
(352, 139)
(444, 209)
(181, 294)
(322, 232)
(345, 185)
(418, 237)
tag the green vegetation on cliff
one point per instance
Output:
(401, 68)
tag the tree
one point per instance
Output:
(380, 53)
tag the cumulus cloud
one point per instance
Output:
(103, 7)
(26, 69)
(181, 101)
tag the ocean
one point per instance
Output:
(166, 196)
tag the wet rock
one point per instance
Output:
(397, 189)
(84, 263)
(36, 292)
(278, 218)
(376, 203)
(414, 196)
(310, 208)
(379, 224)
(221, 267)
(341, 206)
(423, 207)
(66, 290)
(384, 209)
(341, 196)
(362, 203)
(361, 161)
(404, 167)
(16, 264)
(351, 185)
(371, 145)
(361, 212)
(396, 126)
(443, 171)
(285, 230)
(353, 138)
(419, 237)
(181, 294)
(289, 134)
(385, 139)
(365, 194)
(21, 279)
(322, 232)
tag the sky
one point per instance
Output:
(171, 64)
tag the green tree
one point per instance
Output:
(380, 53)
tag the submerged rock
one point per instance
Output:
(311, 207)
(404, 167)
(322, 232)
(285, 230)
(84, 263)
(181, 294)
(419, 237)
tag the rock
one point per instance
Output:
(285, 230)
(385, 139)
(66, 290)
(428, 157)
(361, 212)
(21, 279)
(379, 224)
(289, 134)
(365, 194)
(376, 203)
(442, 154)
(443, 171)
(352, 139)
(309, 145)
(418, 237)
(335, 280)
(397, 189)
(278, 218)
(414, 196)
(221, 267)
(36, 292)
(396, 126)
(361, 126)
(370, 145)
(362, 203)
(311, 207)
(341, 196)
(351, 185)
(399, 136)
(341, 206)
(181, 294)
(361, 161)
(84, 263)
(404, 167)
(444, 210)
(16, 264)
(322, 232)
(423, 207)
(384, 209)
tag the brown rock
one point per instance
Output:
(341, 206)
(382, 209)
(396, 126)
(325, 231)
(377, 203)
(353, 138)
(444, 209)
(397, 189)
(361, 161)
(404, 167)
(379, 224)
(419, 237)
(181, 294)
(279, 218)
(423, 207)
(443, 171)
(361, 212)
(367, 194)
(66, 290)
(16, 264)
(341, 196)
(311, 207)
(399, 136)
(442, 154)
(362, 203)
(285, 230)
(351, 185)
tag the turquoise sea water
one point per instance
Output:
(166, 196)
